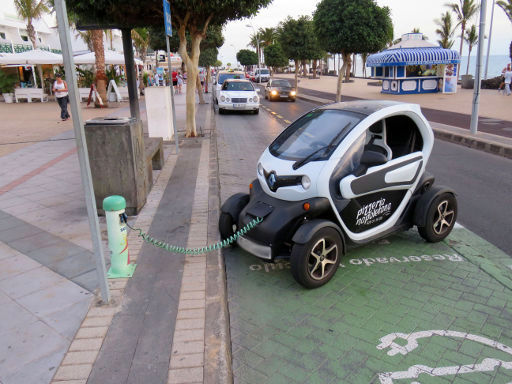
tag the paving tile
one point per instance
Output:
(26, 344)
(13, 315)
(55, 297)
(16, 264)
(66, 320)
(38, 371)
(33, 280)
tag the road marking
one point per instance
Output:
(287, 121)
(413, 372)
(272, 112)
(280, 116)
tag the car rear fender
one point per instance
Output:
(424, 202)
(307, 230)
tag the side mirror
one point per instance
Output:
(372, 158)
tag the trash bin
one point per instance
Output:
(116, 156)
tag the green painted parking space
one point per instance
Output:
(397, 311)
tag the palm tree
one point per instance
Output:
(471, 38)
(507, 8)
(268, 36)
(140, 38)
(31, 10)
(445, 30)
(255, 41)
(464, 11)
(86, 36)
(101, 76)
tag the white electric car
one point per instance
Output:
(344, 173)
(238, 95)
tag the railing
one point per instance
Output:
(18, 48)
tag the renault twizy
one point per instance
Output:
(344, 173)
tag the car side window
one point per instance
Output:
(403, 135)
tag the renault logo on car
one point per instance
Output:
(272, 180)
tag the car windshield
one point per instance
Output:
(281, 83)
(313, 132)
(237, 86)
(264, 71)
(224, 76)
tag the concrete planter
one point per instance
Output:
(467, 81)
(8, 98)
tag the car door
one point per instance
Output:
(376, 191)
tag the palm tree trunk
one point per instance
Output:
(31, 33)
(101, 77)
(463, 26)
(469, 58)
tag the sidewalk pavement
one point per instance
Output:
(47, 278)
(494, 110)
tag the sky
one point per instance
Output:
(405, 14)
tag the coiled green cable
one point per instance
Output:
(197, 251)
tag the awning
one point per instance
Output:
(32, 57)
(111, 58)
(413, 56)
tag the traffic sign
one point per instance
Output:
(167, 18)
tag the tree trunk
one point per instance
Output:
(101, 77)
(191, 62)
(208, 77)
(347, 62)
(463, 26)
(469, 59)
(296, 74)
(31, 33)
(199, 89)
(340, 80)
(314, 69)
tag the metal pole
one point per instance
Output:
(489, 41)
(172, 95)
(130, 73)
(81, 144)
(476, 93)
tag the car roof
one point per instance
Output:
(364, 107)
(237, 81)
(235, 72)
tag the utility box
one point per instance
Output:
(117, 160)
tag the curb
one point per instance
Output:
(485, 142)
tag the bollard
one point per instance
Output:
(120, 265)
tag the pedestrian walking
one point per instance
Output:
(60, 90)
(508, 79)
(202, 77)
(180, 81)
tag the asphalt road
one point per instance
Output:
(482, 181)
(461, 120)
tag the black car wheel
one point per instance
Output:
(313, 264)
(441, 217)
(227, 226)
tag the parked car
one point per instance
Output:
(238, 95)
(278, 89)
(261, 75)
(344, 173)
(221, 77)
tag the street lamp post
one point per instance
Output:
(257, 41)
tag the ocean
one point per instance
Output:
(496, 65)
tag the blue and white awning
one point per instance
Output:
(413, 56)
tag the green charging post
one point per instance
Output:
(120, 265)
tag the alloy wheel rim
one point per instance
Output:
(443, 218)
(322, 258)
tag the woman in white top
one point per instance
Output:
(60, 89)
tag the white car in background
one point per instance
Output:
(238, 95)
(223, 76)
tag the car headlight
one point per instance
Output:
(273, 92)
(250, 100)
(228, 99)
(306, 182)
(293, 93)
(222, 98)
(255, 99)
(261, 171)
